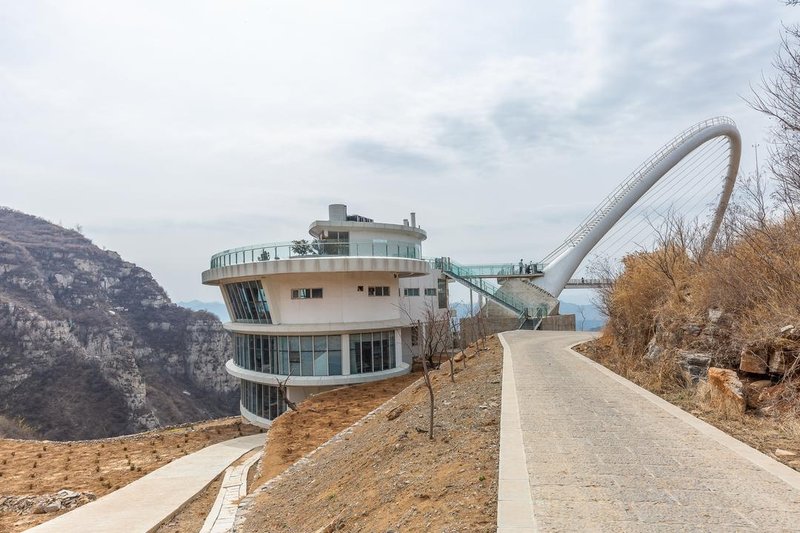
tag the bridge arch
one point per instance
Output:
(562, 262)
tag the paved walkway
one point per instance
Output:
(234, 487)
(604, 455)
(148, 501)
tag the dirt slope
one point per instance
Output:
(387, 475)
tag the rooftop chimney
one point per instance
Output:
(413, 220)
(405, 222)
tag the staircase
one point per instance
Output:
(529, 317)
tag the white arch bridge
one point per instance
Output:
(703, 156)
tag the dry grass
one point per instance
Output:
(99, 466)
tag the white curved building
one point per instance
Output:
(338, 310)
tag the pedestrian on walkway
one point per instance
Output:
(521, 265)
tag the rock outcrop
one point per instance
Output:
(91, 346)
(727, 392)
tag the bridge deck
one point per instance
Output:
(604, 455)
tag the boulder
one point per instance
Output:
(754, 362)
(781, 361)
(752, 392)
(693, 366)
(727, 392)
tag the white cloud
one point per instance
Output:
(215, 124)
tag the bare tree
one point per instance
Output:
(779, 98)
(282, 391)
(582, 311)
(434, 330)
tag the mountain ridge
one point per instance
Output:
(90, 344)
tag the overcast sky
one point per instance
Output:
(173, 130)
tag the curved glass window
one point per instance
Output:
(262, 400)
(371, 352)
(305, 355)
(248, 302)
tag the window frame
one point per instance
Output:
(378, 290)
(307, 294)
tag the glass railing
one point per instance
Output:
(467, 277)
(300, 249)
(502, 269)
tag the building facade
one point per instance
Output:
(340, 308)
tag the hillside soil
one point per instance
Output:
(294, 434)
(31, 472)
(769, 434)
(386, 474)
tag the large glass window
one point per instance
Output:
(335, 243)
(306, 355)
(248, 302)
(372, 352)
(262, 400)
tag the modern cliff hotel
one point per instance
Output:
(336, 310)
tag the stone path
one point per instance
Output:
(147, 502)
(604, 455)
(234, 487)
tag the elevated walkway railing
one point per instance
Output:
(503, 270)
(588, 283)
(468, 277)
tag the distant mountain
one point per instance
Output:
(592, 319)
(216, 308)
(91, 346)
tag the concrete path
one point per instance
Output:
(234, 487)
(605, 455)
(147, 502)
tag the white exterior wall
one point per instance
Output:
(341, 301)
(416, 306)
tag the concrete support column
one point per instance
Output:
(398, 346)
(345, 354)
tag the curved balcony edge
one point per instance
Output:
(402, 266)
(254, 418)
(314, 381)
(327, 328)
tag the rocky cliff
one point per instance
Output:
(91, 346)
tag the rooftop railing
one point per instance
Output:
(302, 249)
